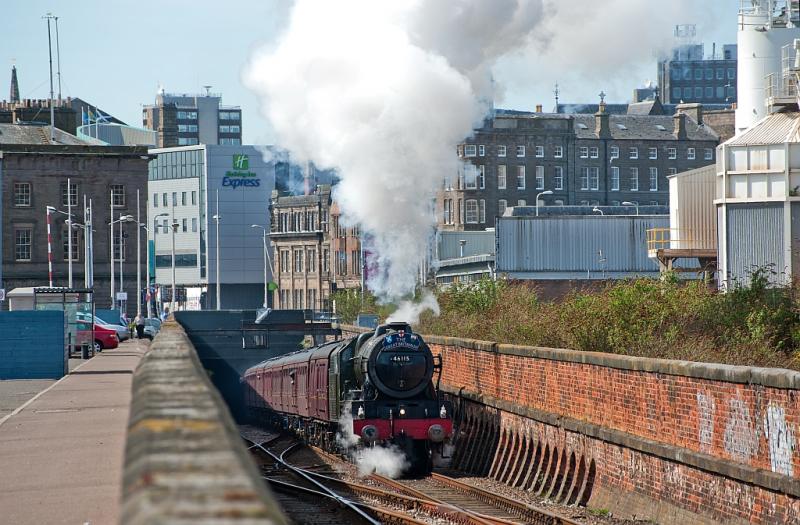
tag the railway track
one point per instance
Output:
(310, 481)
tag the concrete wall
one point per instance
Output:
(673, 441)
(32, 345)
(184, 459)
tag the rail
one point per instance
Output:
(678, 239)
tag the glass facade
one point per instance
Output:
(177, 165)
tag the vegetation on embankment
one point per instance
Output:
(756, 324)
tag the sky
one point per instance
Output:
(116, 54)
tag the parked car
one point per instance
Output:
(104, 337)
(122, 331)
(151, 327)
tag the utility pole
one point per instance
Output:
(111, 230)
(58, 61)
(69, 231)
(138, 258)
(49, 16)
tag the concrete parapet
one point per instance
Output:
(184, 459)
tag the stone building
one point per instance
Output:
(34, 174)
(578, 159)
(189, 120)
(315, 253)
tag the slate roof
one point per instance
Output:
(642, 127)
(577, 109)
(32, 134)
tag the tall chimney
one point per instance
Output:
(680, 126)
(538, 108)
(693, 111)
(601, 122)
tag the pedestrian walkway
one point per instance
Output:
(61, 452)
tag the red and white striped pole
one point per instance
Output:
(49, 249)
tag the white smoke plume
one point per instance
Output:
(409, 311)
(387, 461)
(384, 91)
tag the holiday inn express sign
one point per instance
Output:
(241, 176)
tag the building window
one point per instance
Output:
(594, 152)
(690, 155)
(687, 93)
(673, 171)
(174, 198)
(520, 151)
(184, 225)
(559, 152)
(709, 92)
(676, 93)
(460, 210)
(558, 178)
(119, 247)
(70, 199)
(698, 74)
(482, 211)
(284, 261)
(469, 150)
(708, 154)
(634, 179)
(720, 91)
(298, 261)
(501, 151)
(520, 177)
(481, 177)
(194, 224)
(614, 178)
(540, 151)
(594, 178)
(672, 153)
(470, 177)
(614, 153)
(65, 241)
(584, 178)
(731, 73)
(539, 177)
(117, 195)
(653, 179)
(481, 150)
(155, 200)
(22, 194)
(164, 199)
(698, 93)
(194, 197)
(311, 260)
(584, 152)
(447, 216)
(720, 74)
(22, 244)
(633, 153)
(522, 202)
(187, 141)
(502, 204)
(471, 211)
(183, 198)
(341, 263)
(731, 91)
(326, 257)
(652, 153)
(501, 177)
(355, 262)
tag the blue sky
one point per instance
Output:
(116, 53)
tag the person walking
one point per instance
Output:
(139, 326)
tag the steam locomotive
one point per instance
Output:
(377, 388)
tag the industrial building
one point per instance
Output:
(187, 188)
(188, 119)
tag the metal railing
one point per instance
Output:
(679, 239)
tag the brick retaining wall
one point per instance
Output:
(673, 441)
(184, 459)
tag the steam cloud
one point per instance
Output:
(384, 91)
(386, 461)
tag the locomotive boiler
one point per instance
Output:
(377, 388)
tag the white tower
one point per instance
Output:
(765, 27)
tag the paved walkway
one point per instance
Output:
(61, 454)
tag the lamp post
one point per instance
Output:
(629, 203)
(122, 218)
(138, 258)
(597, 210)
(266, 256)
(548, 192)
(155, 228)
(172, 295)
(217, 218)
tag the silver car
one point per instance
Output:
(151, 327)
(122, 331)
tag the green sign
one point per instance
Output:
(241, 162)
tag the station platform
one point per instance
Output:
(61, 451)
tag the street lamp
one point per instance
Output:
(172, 296)
(266, 257)
(217, 218)
(597, 210)
(51, 210)
(548, 192)
(122, 218)
(155, 228)
(629, 203)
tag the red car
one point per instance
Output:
(104, 338)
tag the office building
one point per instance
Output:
(184, 184)
(188, 120)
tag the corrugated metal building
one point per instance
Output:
(464, 256)
(576, 247)
(758, 206)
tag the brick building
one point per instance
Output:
(34, 175)
(314, 253)
(600, 159)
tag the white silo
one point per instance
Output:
(765, 27)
